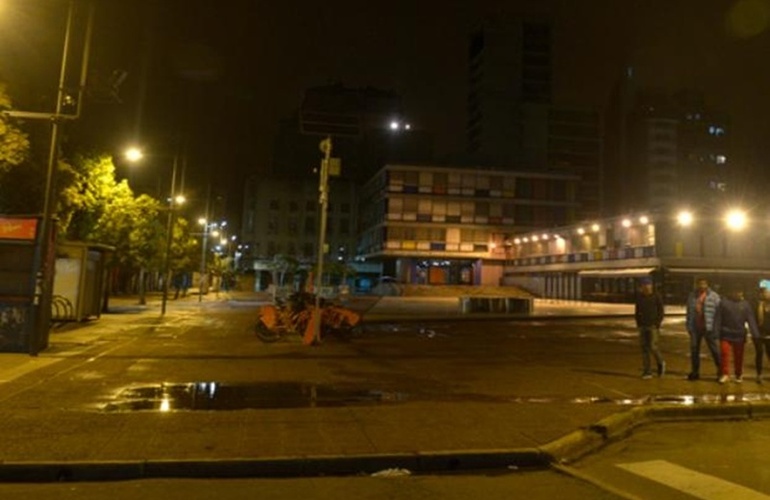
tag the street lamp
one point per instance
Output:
(135, 154)
(41, 277)
(203, 277)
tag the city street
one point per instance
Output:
(197, 395)
(684, 461)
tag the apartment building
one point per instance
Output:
(443, 225)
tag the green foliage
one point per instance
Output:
(283, 265)
(14, 144)
(91, 205)
(184, 247)
(336, 272)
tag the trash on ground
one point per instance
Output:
(395, 472)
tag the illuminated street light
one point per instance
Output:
(397, 125)
(174, 200)
(134, 154)
(736, 220)
(41, 277)
(684, 218)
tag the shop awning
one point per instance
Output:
(628, 272)
(714, 271)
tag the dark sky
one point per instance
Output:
(222, 73)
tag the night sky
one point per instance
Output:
(218, 76)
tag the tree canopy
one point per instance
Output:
(91, 204)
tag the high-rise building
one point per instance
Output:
(509, 64)
(513, 119)
(665, 150)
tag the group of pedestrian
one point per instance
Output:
(723, 321)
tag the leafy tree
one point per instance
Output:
(281, 266)
(336, 272)
(14, 144)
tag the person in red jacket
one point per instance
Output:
(733, 315)
(649, 313)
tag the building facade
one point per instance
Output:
(666, 150)
(602, 260)
(282, 218)
(440, 225)
(513, 121)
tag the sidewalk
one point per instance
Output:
(419, 436)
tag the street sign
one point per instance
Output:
(330, 112)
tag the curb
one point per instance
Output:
(554, 455)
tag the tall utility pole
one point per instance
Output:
(203, 274)
(169, 235)
(323, 201)
(42, 272)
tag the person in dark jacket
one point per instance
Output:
(702, 304)
(762, 343)
(649, 313)
(732, 316)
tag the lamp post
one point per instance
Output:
(172, 202)
(135, 154)
(323, 199)
(41, 277)
(204, 243)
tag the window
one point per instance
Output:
(310, 205)
(396, 181)
(272, 224)
(309, 225)
(411, 178)
(292, 226)
(274, 205)
(523, 188)
(293, 206)
(345, 208)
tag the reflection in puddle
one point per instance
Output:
(274, 395)
(218, 396)
(683, 399)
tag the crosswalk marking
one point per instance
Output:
(692, 482)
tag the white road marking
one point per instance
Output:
(692, 482)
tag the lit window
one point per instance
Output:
(721, 159)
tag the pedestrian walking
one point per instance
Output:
(702, 305)
(762, 342)
(649, 312)
(733, 316)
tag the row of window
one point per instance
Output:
(472, 212)
(532, 189)
(310, 206)
(292, 225)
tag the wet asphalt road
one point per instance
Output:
(209, 359)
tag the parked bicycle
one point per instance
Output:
(296, 316)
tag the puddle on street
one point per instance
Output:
(264, 395)
(276, 395)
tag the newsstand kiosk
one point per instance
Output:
(26, 279)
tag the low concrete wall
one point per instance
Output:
(486, 304)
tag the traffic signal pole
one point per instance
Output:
(323, 200)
